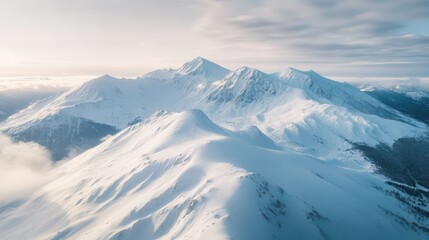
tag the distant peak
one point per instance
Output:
(103, 82)
(247, 72)
(202, 62)
(105, 77)
(294, 70)
(245, 69)
(291, 69)
(203, 67)
(248, 69)
(200, 59)
(293, 73)
(297, 71)
(246, 85)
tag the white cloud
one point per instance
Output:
(320, 33)
(23, 168)
(130, 37)
(41, 83)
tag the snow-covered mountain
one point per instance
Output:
(319, 87)
(203, 67)
(244, 86)
(266, 156)
(181, 176)
(410, 100)
(297, 109)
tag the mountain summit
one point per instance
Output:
(203, 67)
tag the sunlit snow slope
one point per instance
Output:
(181, 176)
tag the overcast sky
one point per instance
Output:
(359, 38)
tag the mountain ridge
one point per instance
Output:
(244, 97)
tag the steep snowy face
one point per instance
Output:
(181, 176)
(203, 67)
(343, 94)
(244, 86)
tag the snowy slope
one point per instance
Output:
(319, 87)
(307, 112)
(181, 176)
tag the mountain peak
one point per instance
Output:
(304, 79)
(200, 59)
(104, 87)
(291, 72)
(248, 72)
(105, 76)
(180, 124)
(246, 85)
(203, 67)
(102, 81)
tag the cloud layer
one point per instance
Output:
(346, 32)
(130, 37)
(23, 167)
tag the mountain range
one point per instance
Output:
(206, 152)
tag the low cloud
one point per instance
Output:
(23, 168)
(16, 93)
(35, 83)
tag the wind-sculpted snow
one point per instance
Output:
(181, 176)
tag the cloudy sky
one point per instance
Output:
(350, 38)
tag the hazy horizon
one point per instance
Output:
(129, 38)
